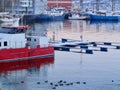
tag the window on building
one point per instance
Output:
(5, 43)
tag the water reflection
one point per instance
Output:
(76, 25)
(103, 22)
(17, 75)
(89, 30)
(107, 25)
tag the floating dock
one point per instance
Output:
(87, 47)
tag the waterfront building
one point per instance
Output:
(33, 6)
(39, 6)
(59, 3)
(16, 6)
(5, 5)
(30, 6)
(23, 6)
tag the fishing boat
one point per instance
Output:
(19, 46)
(51, 15)
(113, 17)
(54, 14)
(14, 29)
(9, 19)
(77, 17)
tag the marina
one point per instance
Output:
(51, 52)
(89, 71)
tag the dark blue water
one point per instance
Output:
(97, 71)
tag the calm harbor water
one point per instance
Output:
(97, 71)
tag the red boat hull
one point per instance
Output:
(17, 27)
(8, 55)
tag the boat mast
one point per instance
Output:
(97, 5)
(3, 7)
(13, 6)
(81, 5)
(57, 3)
(113, 5)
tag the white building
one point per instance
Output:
(23, 6)
(30, 6)
(40, 6)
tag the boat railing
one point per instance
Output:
(36, 34)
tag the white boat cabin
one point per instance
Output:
(22, 40)
(37, 39)
(12, 40)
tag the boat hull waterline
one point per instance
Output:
(103, 17)
(9, 55)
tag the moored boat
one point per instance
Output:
(18, 47)
(50, 17)
(110, 15)
(77, 17)
(113, 17)
(7, 18)
(55, 14)
(14, 29)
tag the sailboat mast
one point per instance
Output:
(57, 3)
(3, 7)
(97, 5)
(13, 6)
(81, 4)
(113, 5)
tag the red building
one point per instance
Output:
(59, 3)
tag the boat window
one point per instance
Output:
(0, 44)
(28, 39)
(5, 43)
(35, 40)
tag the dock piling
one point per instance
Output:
(84, 47)
(65, 49)
(64, 40)
(103, 49)
(107, 43)
(89, 51)
(117, 47)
